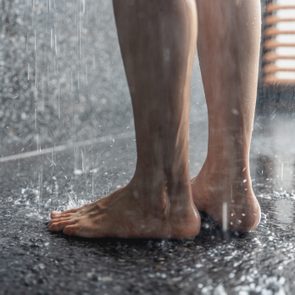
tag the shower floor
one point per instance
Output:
(34, 261)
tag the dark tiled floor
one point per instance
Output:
(33, 261)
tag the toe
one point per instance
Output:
(71, 230)
(61, 219)
(74, 210)
(59, 226)
(66, 215)
(55, 214)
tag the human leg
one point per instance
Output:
(157, 39)
(228, 45)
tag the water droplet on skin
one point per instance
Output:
(235, 112)
(166, 55)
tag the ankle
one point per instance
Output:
(156, 179)
(228, 167)
(158, 194)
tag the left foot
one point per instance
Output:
(123, 215)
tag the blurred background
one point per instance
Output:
(63, 84)
(61, 74)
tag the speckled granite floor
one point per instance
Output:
(34, 261)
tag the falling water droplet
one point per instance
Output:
(52, 164)
(82, 161)
(26, 43)
(93, 62)
(77, 171)
(35, 118)
(55, 44)
(40, 187)
(92, 184)
(51, 39)
(36, 57)
(86, 73)
(282, 170)
(38, 142)
(231, 194)
(80, 37)
(71, 82)
(224, 216)
(83, 6)
(35, 41)
(78, 80)
(29, 72)
(58, 101)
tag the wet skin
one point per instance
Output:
(161, 200)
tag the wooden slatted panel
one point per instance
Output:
(279, 43)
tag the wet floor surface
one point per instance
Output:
(34, 261)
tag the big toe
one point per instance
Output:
(55, 214)
(56, 226)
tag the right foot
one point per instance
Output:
(124, 214)
(229, 201)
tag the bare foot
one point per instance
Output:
(228, 200)
(123, 214)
